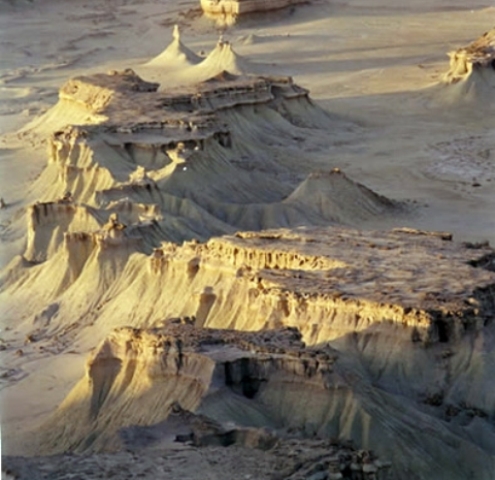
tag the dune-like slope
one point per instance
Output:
(176, 54)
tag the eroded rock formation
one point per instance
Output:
(478, 55)
(184, 163)
(382, 338)
(472, 69)
(241, 7)
(264, 390)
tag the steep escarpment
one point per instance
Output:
(396, 326)
(184, 163)
(174, 364)
(326, 282)
(188, 231)
(141, 385)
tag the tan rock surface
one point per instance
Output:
(192, 145)
(241, 7)
(471, 75)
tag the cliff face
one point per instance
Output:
(407, 311)
(314, 278)
(326, 282)
(184, 163)
(478, 55)
(169, 365)
(384, 338)
(47, 223)
(141, 385)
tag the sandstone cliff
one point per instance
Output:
(424, 334)
(138, 383)
(178, 164)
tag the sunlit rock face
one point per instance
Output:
(471, 74)
(197, 238)
(240, 7)
(477, 56)
(326, 343)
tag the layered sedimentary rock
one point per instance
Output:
(326, 282)
(256, 390)
(240, 7)
(331, 282)
(180, 364)
(382, 338)
(183, 163)
(393, 305)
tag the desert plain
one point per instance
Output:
(252, 246)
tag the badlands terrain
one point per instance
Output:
(247, 245)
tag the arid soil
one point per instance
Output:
(247, 246)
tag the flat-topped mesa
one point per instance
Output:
(479, 55)
(143, 129)
(240, 7)
(342, 280)
(224, 90)
(95, 92)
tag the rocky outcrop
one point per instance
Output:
(264, 390)
(328, 283)
(471, 75)
(479, 55)
(293, 324)
(187, 158)
(240, 7)
(175, 363)
(47, 223)
(294, 459)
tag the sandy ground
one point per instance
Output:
(376, 65)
